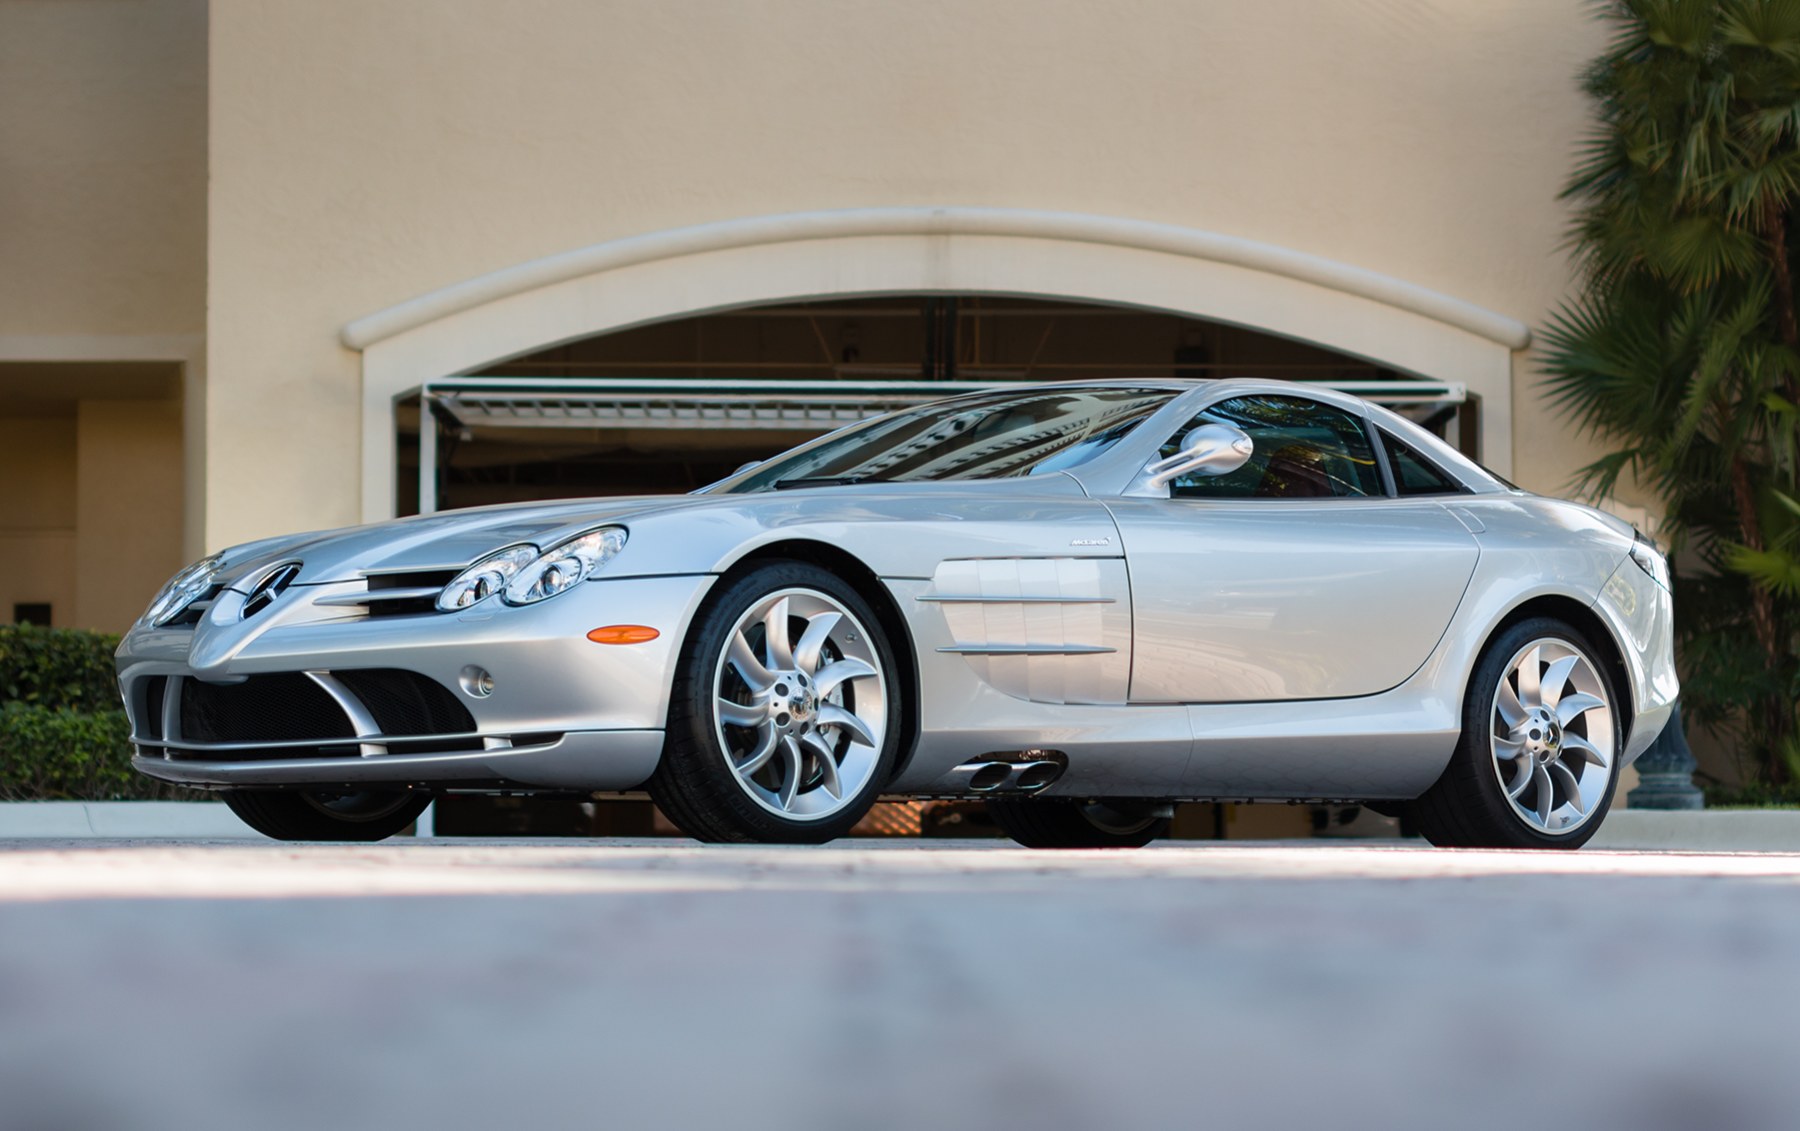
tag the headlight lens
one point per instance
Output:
(1651, 561)
(183, 589)
(564, 565)
(485, 578)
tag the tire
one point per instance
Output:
(311, 814)
(1565, 727)
(1055, 823)
(780, 741)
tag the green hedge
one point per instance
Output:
(58, 667)
(55, 754)
(63, 734)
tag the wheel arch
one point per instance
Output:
(867, 583)
(1583, 619)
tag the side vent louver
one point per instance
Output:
(397, 594)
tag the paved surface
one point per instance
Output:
(450, 984)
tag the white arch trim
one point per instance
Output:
(924, 221)
(912, 251)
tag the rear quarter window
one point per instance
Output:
(1414, 475)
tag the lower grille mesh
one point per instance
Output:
(155, 688)
(405, 702)
(291, 709)
(264, 708)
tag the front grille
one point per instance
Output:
(406, 594)
(285, 707)
(154, 689)
(291, 709)
(406, 702)
(190, 614)
(272, 585)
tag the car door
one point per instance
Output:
(1297, 576)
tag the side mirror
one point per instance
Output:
(1210, 449)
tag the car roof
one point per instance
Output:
(1225, 386)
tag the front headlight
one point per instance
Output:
(485, 578)
(1651, 561)
(183, 589)
(564, 565)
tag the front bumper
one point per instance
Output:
(282, 698)
(586, 760)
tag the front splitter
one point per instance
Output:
(581, 760)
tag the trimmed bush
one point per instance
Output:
(63, 736)
(58, 667)
(55, 754)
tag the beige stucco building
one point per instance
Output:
(237, 241)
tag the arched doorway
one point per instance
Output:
(673, 405)
(522, 311)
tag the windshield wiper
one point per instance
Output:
(821, 481)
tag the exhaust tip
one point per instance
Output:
(990, 777)
(1036, 776)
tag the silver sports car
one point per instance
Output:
(1082, 602)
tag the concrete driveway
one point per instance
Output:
(452, 984)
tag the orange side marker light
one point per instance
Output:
(623, 634)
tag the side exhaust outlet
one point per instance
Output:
(1013, 775)
(989, 776)
(1033, 776)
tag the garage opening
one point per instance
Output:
(672, 406)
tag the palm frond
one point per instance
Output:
(1694, 252)
(1775, 570)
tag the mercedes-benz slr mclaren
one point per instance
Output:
(1084, 603)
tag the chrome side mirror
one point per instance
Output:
(1210, 449)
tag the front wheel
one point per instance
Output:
(1536, 764)
(1056, 823)
(330, 815)
(784, 718)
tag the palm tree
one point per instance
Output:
(1683, 348)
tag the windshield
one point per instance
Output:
(999, 435)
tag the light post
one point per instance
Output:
(1666, 772)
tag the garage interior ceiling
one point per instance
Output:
(772, 404)
(671, 405)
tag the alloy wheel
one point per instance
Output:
(1552, 737)
(800, 704)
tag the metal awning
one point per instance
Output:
(651, 403)
(774, 405)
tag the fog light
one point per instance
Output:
(624, 634)
(478, 682)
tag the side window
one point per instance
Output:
(1304, 450)
(1413, 473)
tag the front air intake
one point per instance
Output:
(406, 702)
(282, 707)
(299, 715)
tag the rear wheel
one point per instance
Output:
(1536, 764)
(784, 720)
(1058, 823)
(315, 814)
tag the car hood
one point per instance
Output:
(451, 540)
(448, 540)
